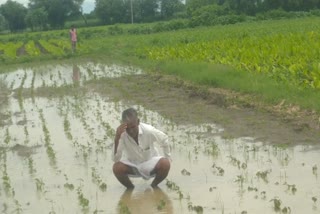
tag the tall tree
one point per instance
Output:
(111, 11)
(58, 10)
(15, 14)
(169, 7)
(37, 18)
(3, 23)
(193, 5)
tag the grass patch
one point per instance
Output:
(261, 86)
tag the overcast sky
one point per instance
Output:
(88, 5)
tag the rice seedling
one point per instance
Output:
(47, 141)
(40, 185)
(97, 180)
(291, 188)
(185, 172)
(217, 170)
(7, 137)
(68, 185)
(31, 168)
(84, 202)
(240, 180)
(67, 130)
(236, 162)
(198, 209)
(315, 170)
(18, 207)
(124, 209)
(6, 181)
(161, 205)
(263, 175)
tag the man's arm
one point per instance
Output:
(116, 151)
(163, 141)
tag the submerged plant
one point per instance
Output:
(124, 209)
(39, 184)
(315, 169)
(240, 180)
(67, 130)
(7, 137)
(277, 206)
(218, 170)
(263, 175)
(292, 188)
(30, 166)
(161, 204)
(185, 172)
(198, 209)
(84, 203)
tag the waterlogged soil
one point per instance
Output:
(57, 128)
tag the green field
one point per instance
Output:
(274, 60)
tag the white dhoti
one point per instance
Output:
(143, 169)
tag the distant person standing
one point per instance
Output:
(73, 38)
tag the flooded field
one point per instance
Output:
(57, 131)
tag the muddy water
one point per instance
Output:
(55, 156)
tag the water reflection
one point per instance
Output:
(76, 75)
(145, 202)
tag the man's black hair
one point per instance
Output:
(129, 113)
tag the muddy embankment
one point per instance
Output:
(239, 115)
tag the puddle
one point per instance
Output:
(58, 75)
(63, 163)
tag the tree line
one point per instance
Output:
(52, 14)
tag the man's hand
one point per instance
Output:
(122, 128)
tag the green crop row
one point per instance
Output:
(13, 51)
(293, 57)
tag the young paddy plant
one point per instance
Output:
(83, 202)
(123, 208)
(18, 207)
(263, 175)
(291, 188)
(217, 170)
(235, 162)
(31, 168)
(161, 205)
(47, 140)
(97, 180)
(196, 208)
(277, 206)
(67, 129)
(315, 170)
(7, 137)
(68, 185)
(26, 133)
(6, 181)
(40, 185)
(173, 186)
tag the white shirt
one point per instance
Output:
(135, 153)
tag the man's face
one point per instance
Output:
(132, 127)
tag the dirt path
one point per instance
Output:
(185, 104)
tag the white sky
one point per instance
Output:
(88, 5)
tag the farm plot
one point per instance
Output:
(288, 57)
(35, 48)
(56, 155)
